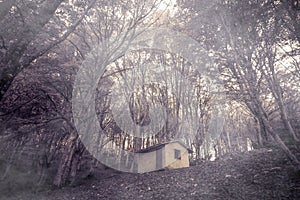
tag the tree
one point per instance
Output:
(23, 24)
(237, 30)
(247, 77)
(48, 61)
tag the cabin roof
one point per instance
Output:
(160, 146)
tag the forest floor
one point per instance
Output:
(264, 173)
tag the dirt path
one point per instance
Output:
(259, 174)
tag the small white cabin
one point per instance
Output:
(170, 155)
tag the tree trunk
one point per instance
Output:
(65, 166)
(76, 162)
(281, 144)
(286, 121)
(258, 133)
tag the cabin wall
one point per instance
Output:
(184, 162)
(146, 162)
(163, 158)
(170, 160)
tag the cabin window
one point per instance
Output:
(177, 154)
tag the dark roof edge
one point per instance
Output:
(159, 146)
